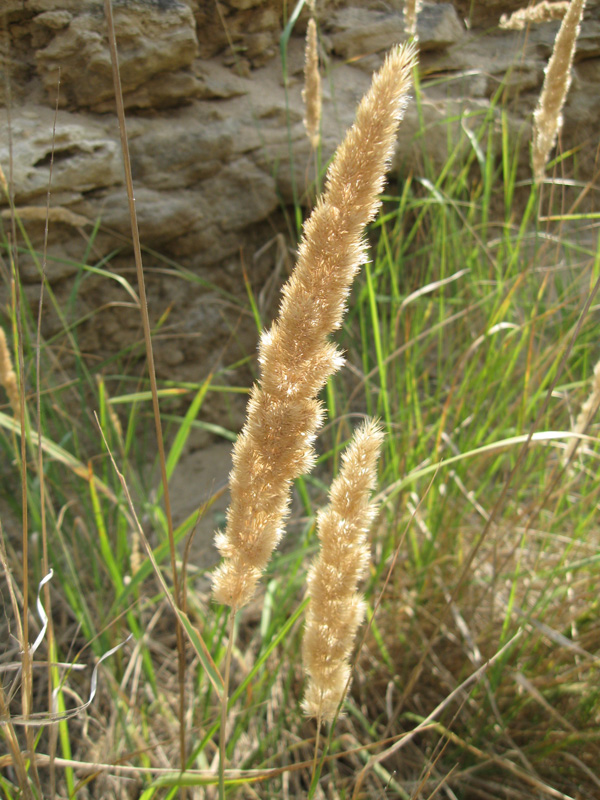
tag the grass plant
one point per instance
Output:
(470, 334)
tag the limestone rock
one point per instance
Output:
(55, 20)
(486, 13)
(439, 26)
(249, 28)
(246, 196)
(588, 41)
(165, 157)
(355, 32)
(86, 158)
(162, 216)
(166, 90)
(500, 60)
(54, 214)
(215, 80)
(153, 38)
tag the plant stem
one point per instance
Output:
(151, 371)
(224, 703)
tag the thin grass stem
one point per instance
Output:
(151, 371)
(40, 460)
(224, 704)
(316, 755)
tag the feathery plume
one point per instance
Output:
(8, 379)
(547, 118)
(295, 357)
(587, 413)
(542, 12)
(311, 94)
(411, 13)
(336, 610)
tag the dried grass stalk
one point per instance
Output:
(411, 14)
(311, 93)
(336, 608)
(8, 378)
(547, 118)
(295, 357)
(542, 12)
(587, 413)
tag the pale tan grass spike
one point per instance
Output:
(536, 15)
(295, 357)
(8, 378)
(336, 609)
(547, 118)
(587, 413)
(411, 15)
(311, 93)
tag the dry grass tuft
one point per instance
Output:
(296, 359)
(548, 114)
(336, 608)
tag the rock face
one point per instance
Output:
(85, 156)
(357, 31)
(154, 39)
(218, 148)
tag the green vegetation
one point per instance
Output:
(470, 334)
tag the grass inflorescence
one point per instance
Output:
(470, 335)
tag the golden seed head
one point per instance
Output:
(542, 12)
(295, 357)
(311, 93)
(547, 118)
(336, 609)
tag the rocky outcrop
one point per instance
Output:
(217, 142)
(155, 39)
(356, 31)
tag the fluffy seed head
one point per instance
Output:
(311, 93)
(542, 12)
(336, 610)
(295, 357)
(547, 118)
